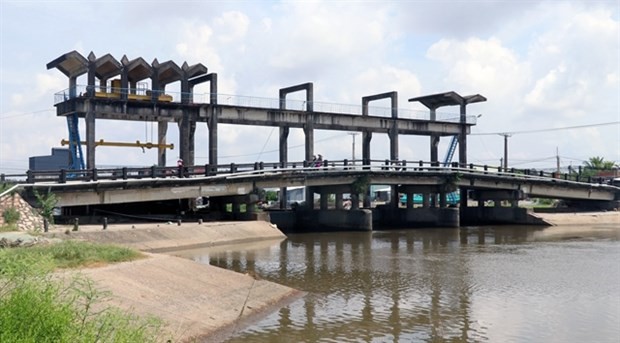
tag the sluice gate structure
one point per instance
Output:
(116, 90)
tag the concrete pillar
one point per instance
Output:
(192, 143)
(72, 87)
(90, 137)
(355, 201)
(162, 129)
(463, 152)
(309, 141)
(443, 200)
(213, 120)
(184, 128)
(212, 126)
(284, 131)
(310, 198)
(426, 203)
(434, 139)
(366, 138)
(410, 200)
(339, 201)
(324, 198)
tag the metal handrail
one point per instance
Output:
(238, 170)
(263, 102)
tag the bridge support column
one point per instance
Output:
(162, 129)
(90, 138)
(339, 201)
(410, 200)
(324, 200)
(426, 200)
(284, 131)
(443, 201)
(310, 198)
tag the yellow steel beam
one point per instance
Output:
(137, 144)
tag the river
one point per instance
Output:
(491, 284)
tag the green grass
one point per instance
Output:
(8, 227)
(38, 306)
(71, 254)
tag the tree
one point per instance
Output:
(596, 164)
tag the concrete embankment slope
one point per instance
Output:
(196, 302)
(166, 237)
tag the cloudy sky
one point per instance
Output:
(544, 66)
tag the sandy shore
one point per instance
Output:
(582, 218)
(197, 302)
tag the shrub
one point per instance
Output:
(10, 215)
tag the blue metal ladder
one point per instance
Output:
(451, 197)
(75, 147)
(451, 149)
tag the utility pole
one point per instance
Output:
(557, 158)
(353, 134)
(506, 135)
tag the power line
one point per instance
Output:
(544, 130)
(24, 114)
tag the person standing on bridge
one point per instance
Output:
(180, 167)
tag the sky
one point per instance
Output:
(550, 71)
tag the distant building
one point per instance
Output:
(59, 159)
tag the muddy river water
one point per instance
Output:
(491, 284)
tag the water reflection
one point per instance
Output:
(458, 285)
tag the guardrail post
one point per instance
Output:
(153, 172)
(124, 173)
(404, 164)
(455, 164)
(261, 165)
(486, 168)
(589, 179)
(387, 163)
(233, 168)
(512, 170)
(565, 176)
(255, 165)
(63, 176)
(421, 163)
(542, 173)
(2, 178)
(29, 176)
(294, 165)
(345, 163)
(105, 223)
(471, 166)
(93, 175)
(499, 169)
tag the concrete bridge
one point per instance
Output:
(333, 181)
(113, 91)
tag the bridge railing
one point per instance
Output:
(114, 93)
(221, 170)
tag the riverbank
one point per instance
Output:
(581, 218)
(170, 236)
(196, 302)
